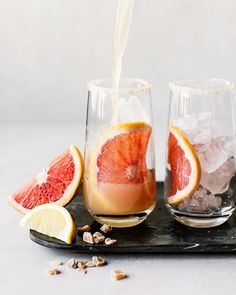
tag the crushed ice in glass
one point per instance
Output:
(215, 151)
(201, 201)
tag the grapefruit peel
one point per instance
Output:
(195, 175)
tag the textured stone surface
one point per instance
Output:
(159, 233)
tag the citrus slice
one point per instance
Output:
(119, 180)
(55, 184)
(184, 165)
(51, 220)
(120, 156)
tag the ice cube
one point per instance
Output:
(211, 146)
(201, 202)
(131, 109)
(199, 127)
(218, 181)
(215, 152)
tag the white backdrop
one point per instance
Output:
(49, 49)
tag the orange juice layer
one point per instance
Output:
(119, 199)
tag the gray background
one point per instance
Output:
(49, 49)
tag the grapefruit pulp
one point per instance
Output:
(56, 184)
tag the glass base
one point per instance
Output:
(200, 220)
(121, 221)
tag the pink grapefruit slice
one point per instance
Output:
(120, 181)
(184, 167)
(56, 184)
(120, 156)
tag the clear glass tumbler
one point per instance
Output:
(119, 186)
(200, 171)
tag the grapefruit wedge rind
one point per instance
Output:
(52, 220)
(184, 166)
(56, 184)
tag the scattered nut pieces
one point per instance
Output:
(81, 264)
(98, 237)
(54, 271)
(55, 263)
(84, 262)
(72, 263)
(90, 264)
(109, 241)
(88, 238)
(118, 274)
(106, 228)
(83, 229)
(98, 261)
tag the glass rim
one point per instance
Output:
(142, 85)
(223, 86)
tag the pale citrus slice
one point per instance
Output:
(184, 166)
(120, 155)
(52, 220)
(56, 184)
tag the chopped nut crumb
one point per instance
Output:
(118, 274)
(90, 264)
(80, 264)
(55, 263)
(83, 229)
(109, 241)
(88, 238)
(83, 262)
(98, 237)
(82, 271)
(106, 228)
(54, 271)
(98, 261)
(72, 263)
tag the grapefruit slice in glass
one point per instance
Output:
(184, 167)
(120, 156)
(55, 184)
(119, 179)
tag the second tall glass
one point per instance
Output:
(199, 185)
(119, 186)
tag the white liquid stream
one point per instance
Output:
(123, 20)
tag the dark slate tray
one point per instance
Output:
(158, 234)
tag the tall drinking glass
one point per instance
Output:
(119, 186)
(200, 171)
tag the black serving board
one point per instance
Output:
(158, 234)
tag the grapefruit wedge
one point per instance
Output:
(184, 167)
(120, 156)
(56, 184)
